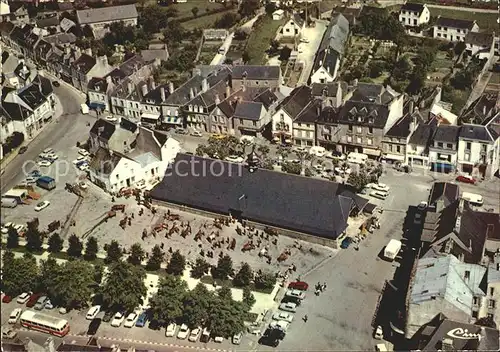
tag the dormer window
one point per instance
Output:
(190, 107)
(370, 120)
(364, 110)
(359, 119)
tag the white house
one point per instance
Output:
(414, 15)
(480, 43)
(278, 15)
(453, 29)
(443, 149)
(293, 27)
(479, 146)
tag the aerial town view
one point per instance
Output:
(250, 175)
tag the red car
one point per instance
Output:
(466, 179)
(6, 299)
(32, 301)
(298, 285)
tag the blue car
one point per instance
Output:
(141, 321)
(346, 243)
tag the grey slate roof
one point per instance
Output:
(422, 135)
(248, 110)
(401, 128)
(299, 21)
(353, 110)
(84, 63)
(482, 108)
(454, 23)
(44, 85)
(48, 22)
(298, 99)
(475, 132)
(448, 192)
(255, 72)
(104, 161)
(413, 7)
(329, 89)
(479, 39)
(106, 14)
(446, 133)
(107, 129)
(372, 92)
(332, 46)
(32, 96)
(310, 113)
(14, 111)
(264, 196)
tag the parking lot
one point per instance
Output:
(308, 50)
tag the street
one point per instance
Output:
(308, 54)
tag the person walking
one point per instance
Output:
(305, 318)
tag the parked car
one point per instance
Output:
(44, 163)
(111, 118)
(422, 206)
(304, 40)
(288, 307)
(272, 337)
(195, 334)
(183, 332)
(196, 134)
(30, 180)
(14, 316)
(118, 319)
(379, 194)
(379, 334)
(171, 330)
(7, 299)
(466, 179)
(40, 303)
(42, 205)
(92, 312)
(298, 285)
(346, 242)
(107, 317)
(56, 84)
(292, 299)
(131, 319)
(52, 156)
(141, 321)
(296, 293)
(94, 326)
(381, 187)
(285, 316)
(235, 159)
(23, 298)
(83, 152)
(8, 333)
(237, 338)
(23, 150)
(418, 219)
(33, 300)
(181, 131)
(35, 173)
(48, 305)
(279, 324)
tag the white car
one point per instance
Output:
(171, 329)
(131, 319)
(79, 159)
(20, 228)
(318, 151)
(234, 159)
(379, 194)
(83, 167)
(42, 205)
(295, 293)
(44, 163)
(195, 335)
(111, 118)
(381, 187)
(52, 156)
(117, 320)
(319, 168)
(288, 307)
(418, 219)
(299, 149)
(83, 152)
(183, 332)
(196, 134)
(281, 324)
(304, 40)
(379, 334)
(237, 338)
(48, 305)
(283, 316)
(422, 206)
(23, 298)
(14, 316)
(92, 313)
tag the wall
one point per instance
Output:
(321, 76)
(452, 34)
(100, 98)
(125, 169)
(303, 134)
(277, 119)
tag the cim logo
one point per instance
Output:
(463, 334)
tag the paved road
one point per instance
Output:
(457, 8)
(314, 34)
(55, 133)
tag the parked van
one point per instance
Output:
(357, 158)
(379, 194)
(474, 199)
(84, 108)
(205, 336)
(9, 203)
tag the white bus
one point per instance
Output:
(474, 199)
(357, 158)
(44, 323)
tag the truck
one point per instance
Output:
(46, 182)
(9, 202)
(392, 249)
(357, 158)
(84, 108)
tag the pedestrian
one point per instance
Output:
(305, 318)
(324, 286)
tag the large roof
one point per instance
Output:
(447, 133)
(454, 23)
(413, 7)
(106, 14)
(360, 113)
(448, 192)
(314, 206)
(254, 72)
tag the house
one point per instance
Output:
(480, 43)
(155, 52)
(278, 15)
(374, 93)
(256, 76)
(304, 124)
(442, 285)
(478, 146)
(293, 27)
(443, 149)
(441, 112)
(215, 35)
(414, 15)
(4, 8)
(350, 13)
(417, 150)
(482, 108)
(453, 29)
(287, 111)
(153, 100)
(396, 139)
(43, 50)
(332, 92)
(99, 18)
(86, 66)
(16, 118)
(261, 197)
(330, 51)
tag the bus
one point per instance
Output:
(44, 323)
(474, 199)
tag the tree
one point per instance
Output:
(98, 274)
(75, 284)
(285, 53)
(224, 268)
(265, 280)
(124, 286)
(176, 264)
(113, 252)
(197, 305)
(227, 20)
(12, 238)
(195, 10)
(34, 240)
(152, 19)
(248, 298)
(167, 304)
(50, 271)
(270, 8)
(55, 243)
(358, 180)
(226, 316)
(19, 274)
(75, 246)
(200, 268)
(91, 248)
(375, 68)
(156, 259)
(225, 293)
(291, 168)
(137, 254)
(487, 321)
(244, 276)
(459, 48)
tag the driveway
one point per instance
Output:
(308, 54)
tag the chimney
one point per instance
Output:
(104, 60)
(243, 88)
(49, 345)
(162, 94)
(447, 344)
(157, 62)
(217, 99)
(498, 266)
(191, 93)
(318, 110)
(411, 106)
(204, 85)
(413, 123)
(171, 87)
(130, 86)
(77, 53)
(67, 50)
(228, 91)
(144, 89)
(484, 109)
(88, 51)
(152, 83)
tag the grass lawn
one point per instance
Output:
(184, 9)
(202, 22)
(487, 22)
(260, 38)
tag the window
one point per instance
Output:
(492, 291)
(468, 145)
(449, 146)
(491, 303)
(369, 141)
(308, 126)
(474, 314)
(467, 275)
(467, 156)
(349, 139)
(398, 148)
(358, 129)
(241, 121)
(254, 123)
(475, 300)
(359, 140)
(370, 130)
(491, 316)
(440, 144)
(300, 125)
(350, 128)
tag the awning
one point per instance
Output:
(374, 152)
(150, 116)
(173, 120)
(95, 106)
(394, 157)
